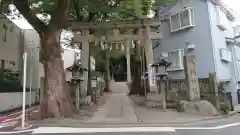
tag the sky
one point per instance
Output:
(233, 4)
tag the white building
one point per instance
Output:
(13, 43)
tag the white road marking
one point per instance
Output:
(46, 130)
(208, 128)
(16, 132)
(42, 130)
(194, 128)
(228, 125)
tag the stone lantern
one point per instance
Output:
(161, 78)
(77, 78)
(161, 68)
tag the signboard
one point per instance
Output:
(94, 83)
(191, 75)
(151, 77)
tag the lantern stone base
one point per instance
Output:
(85, 100)
(202, 107)
(154, 100)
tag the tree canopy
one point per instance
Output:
(55, 15)
(82, 10)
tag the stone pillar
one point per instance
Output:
(128, 57)
(77, 94)
(84, 61)
(193, 92)
(163, 96)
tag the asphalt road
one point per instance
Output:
(225, 131)
(228, 131)
(228, 126)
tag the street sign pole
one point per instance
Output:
(30, 92)
(24, 88)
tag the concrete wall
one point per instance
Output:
(16, 100)
(9, 49)
(199, 35)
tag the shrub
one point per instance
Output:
(224, 108)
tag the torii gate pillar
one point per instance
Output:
(149, 50)
(128, 58)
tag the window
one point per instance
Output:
(184, 16)
(4, 33)
(182, 20)
(176, 58)
(238, 70)
(175, 22)
(221, 18)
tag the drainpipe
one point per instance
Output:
(234, 76)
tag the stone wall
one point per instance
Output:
(13, 100)
(177, 90)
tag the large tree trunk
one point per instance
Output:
(56, 101)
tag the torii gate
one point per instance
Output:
(145, 37)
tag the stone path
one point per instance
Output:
(118, 107)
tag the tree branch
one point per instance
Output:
(24, 9)
(60, 16)
(77, 10)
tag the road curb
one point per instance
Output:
(126, 124)
(13, 120)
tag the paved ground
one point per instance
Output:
(118, 107)
(118, 115)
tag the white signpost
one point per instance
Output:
(24, 88)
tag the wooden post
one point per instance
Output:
(193, 92)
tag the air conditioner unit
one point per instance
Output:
(182, 20)
(221, 18)
(225, 55)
